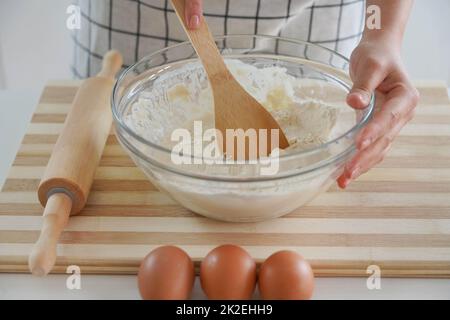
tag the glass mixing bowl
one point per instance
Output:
(230, 191)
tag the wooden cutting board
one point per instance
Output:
(397, 216)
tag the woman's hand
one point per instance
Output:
(376, 65)
(194, 10)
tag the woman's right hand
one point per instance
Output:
(194, 10)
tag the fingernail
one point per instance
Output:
(366, 143)
(363, 97)
(194, 22)
(355, 173)
(366, 98)
(360, 96)
(342, 182)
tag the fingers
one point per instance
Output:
(399, 103)
(367, 76)
(363, 161)
(375, 140)
(370, 157)
(374, 70)
(194, 10)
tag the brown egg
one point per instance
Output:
(285, 275)
(166, 273)
(228, 272)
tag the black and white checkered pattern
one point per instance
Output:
(139, 27)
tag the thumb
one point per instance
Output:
(193, 12)
(368, 76)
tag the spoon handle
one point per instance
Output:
(203, 43)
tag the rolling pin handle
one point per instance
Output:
(112, 62)
(56, 215)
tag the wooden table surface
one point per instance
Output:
(397, 216)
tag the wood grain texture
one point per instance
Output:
(396, 216)
(73, 161)
(234, 107)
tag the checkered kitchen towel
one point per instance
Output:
(139, 27)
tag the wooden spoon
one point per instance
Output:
(234, 108)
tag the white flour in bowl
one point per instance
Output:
(183, 96)
(178, 98)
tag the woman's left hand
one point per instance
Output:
(376, 65)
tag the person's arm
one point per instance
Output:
(394, 18)
(194, 10)
(376, 65)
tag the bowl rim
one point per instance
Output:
(298, 153)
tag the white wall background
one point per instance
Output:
(34, 42)
(35, 46)
(426, 48)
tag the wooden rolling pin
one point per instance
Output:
(65, 186)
